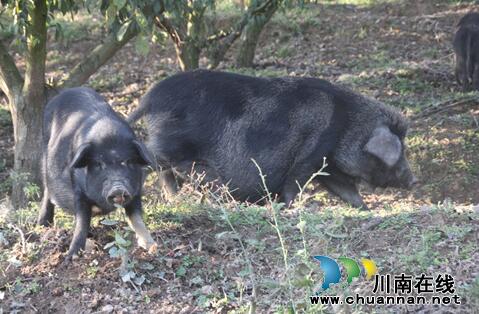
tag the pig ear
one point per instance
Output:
(80, 159)
(145, 156)
(385, 145)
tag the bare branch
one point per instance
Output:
(164, 24)
(98, 57)
(447, 105)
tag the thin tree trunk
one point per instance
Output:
(188, 56)
(186, 38)
(29, 107)
(250, 36)
(249, 40)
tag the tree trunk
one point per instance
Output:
(188, 55)
(28, 111)
(250, 36)
(28, 139)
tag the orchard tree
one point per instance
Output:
(27, 91)
(186, 24)
(190, 25)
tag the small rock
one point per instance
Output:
(17, 305)
(107, 308)
(207, 289)
(56, 292)
(90, 246)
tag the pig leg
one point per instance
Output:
(82, 226)
(296, 179)
(201, 171)
(168, 182)
(45, 217)
(345, 190)
(288, 193)
(135, 221)
(475, 76)
(461, 73)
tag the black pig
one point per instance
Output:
(466, 49)
(92, 164)
(218, 122)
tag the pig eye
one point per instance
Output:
(98, 165)
(128, 163)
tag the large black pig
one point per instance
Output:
(92, 164)
(466, 49)
(218, 122)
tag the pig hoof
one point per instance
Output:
(68, 260)
(44, 223)
(364, 208)
(71, 256)
(153, 249)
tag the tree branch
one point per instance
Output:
(164, 24)
(11, 82)
(98, 57)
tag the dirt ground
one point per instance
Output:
(221, 257)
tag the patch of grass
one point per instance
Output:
(423, 252)
(69, 30)
(472, 292)
(106, 83)
(297, 20)
(171, 216)
(406, 86)
(285, 52)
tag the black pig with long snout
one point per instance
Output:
(466, 49)
(92, 163)
(217, 122)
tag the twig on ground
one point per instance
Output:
(445, 105)
(22, 236)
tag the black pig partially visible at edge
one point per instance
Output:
(92, 164)
(218, 122)
(466, 49)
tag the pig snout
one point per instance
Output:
(412, 182)
(404, 177)
(118, 195)
(407, 181)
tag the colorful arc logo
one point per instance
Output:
(332, 271)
